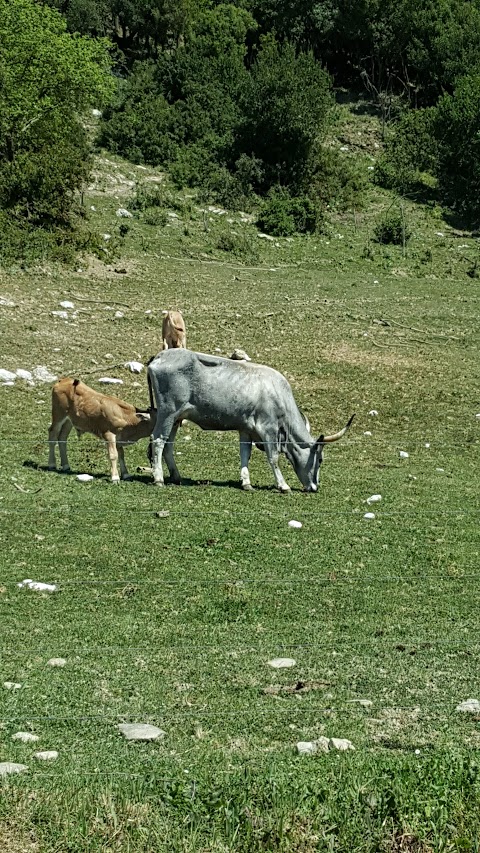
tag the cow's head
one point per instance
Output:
(307, 459)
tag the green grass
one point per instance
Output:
(172, 620)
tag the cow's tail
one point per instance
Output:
(150, 390)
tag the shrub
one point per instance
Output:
(392, 228)
(155, 216)
(239, 245)
(411, 149)
(282, 215)
(147, 195)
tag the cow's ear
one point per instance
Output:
(319, 441)
(144, 416)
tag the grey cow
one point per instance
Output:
(221, 394)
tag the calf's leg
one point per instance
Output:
(54, 432)
(111, 440)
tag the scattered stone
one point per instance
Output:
(342, 744)
(403, 454)
(240, 355)
(123, 212)
(439, 234)
(478, 416)
(374, 499)
(310, 747)
(25, 737)
(365, 703)
(367, 432)
(119, 315)
(162, 513)
(281, 663)
(11, 685)
(373, 412)
(344, 148)
(48, 755)
(42, 374)
(440, 470)
(56, 662)
(296, 524)
(66, 304)
(470, 706)
(140, 731)
(266, 236)
(172, 215)
(84, 478)
(97, 113)
(7, 767)
(375, 281)
(107, 236)
(62, 314)
(134, 366)
(9, 383)
(7, 375)
(427, 445)
(38, 586)
(92, 207)
(6, 302)
(369, 515)
(107, 380)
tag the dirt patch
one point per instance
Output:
(13, 839)
(93, 267)
(346, 354)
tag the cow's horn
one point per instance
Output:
(327, 438)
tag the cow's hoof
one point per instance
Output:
(158, 483)
(116, 480)
(52, 468)
(247, 487)
(64, 470)
(285, 490)
(127, 477)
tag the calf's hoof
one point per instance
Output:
(116, 480)
(158, 483)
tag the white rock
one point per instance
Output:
(427, 445)
(296, 524)
(417, 752)
(365, 703)
(373, 499)
(6, 302)
(240, 355)
(38, 586)
(24, 374)
(66, 304)
(11, 685)
(375, 281)
(96, 113)
(123, 212)
(478, 416)
(403, 454)
(56, 662)
(310, 747)
(8, 384)
(342, 744)
(370, 168)
(62, 314)
(107, 380)
(266, 237)
(439, 233)
(119, 314)
(172, 215)
(7, 375)
(84, 478)
(149, 311)
(470, 706)
(440, 470)
(373, 412)
(92, 207)
(140, 731)
(369, 515)
(7, 767)
(107, 236)
(48, 755)
(367, 432)
(134, 366)
(344, 148)
(25, 737)
(42, 374)
(281, 663)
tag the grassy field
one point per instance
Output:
(171, 620)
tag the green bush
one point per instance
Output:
(458, 133)
(147, 195)
(155, 216)
(337, 182)
(282, 215)
(410, 149)
(392, 228)
(238, 245)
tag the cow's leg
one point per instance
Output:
(170, 458)
(160, 436)
(54, 432)
(272, 456)
(245, 453)
(111, 440)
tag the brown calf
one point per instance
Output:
(174, 335)
(74, 404)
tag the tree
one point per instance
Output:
(458, 134)
(47, 79)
